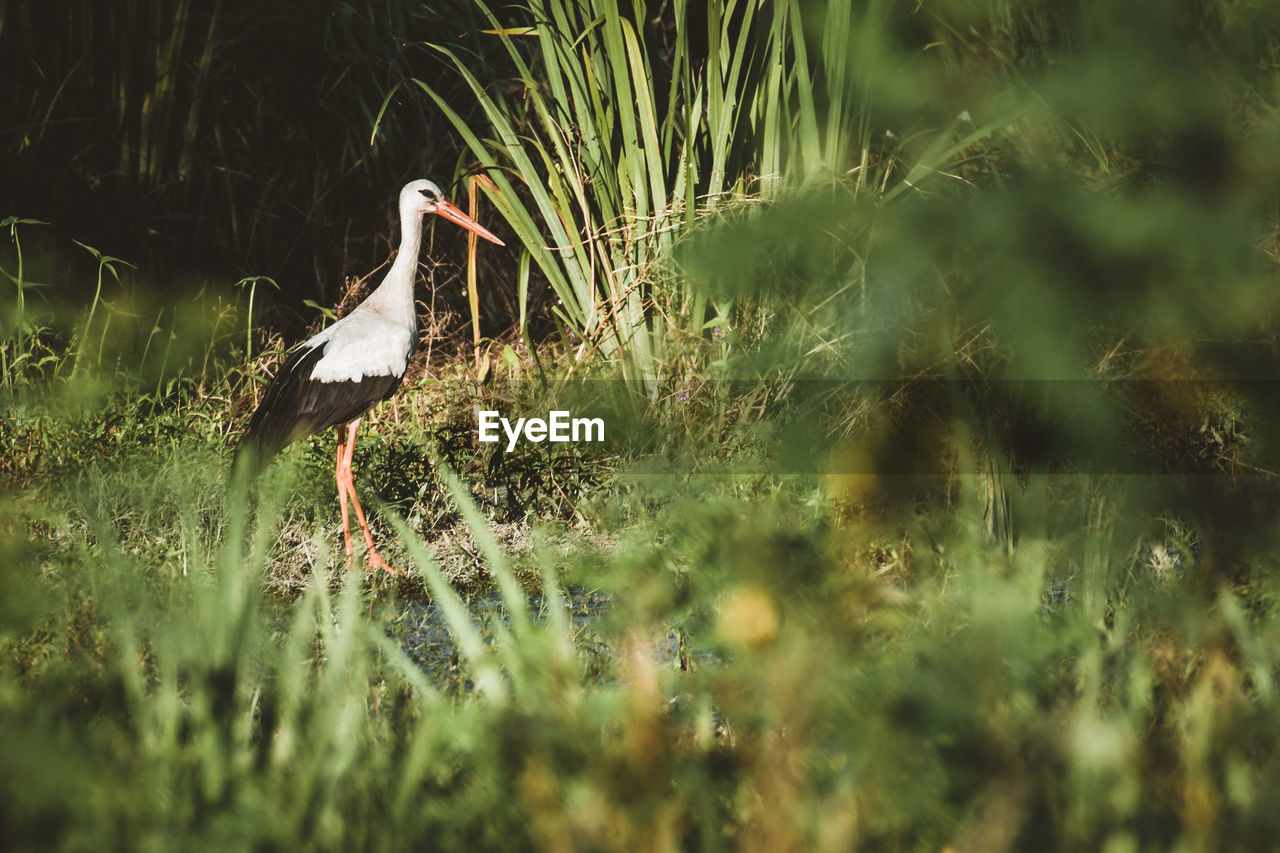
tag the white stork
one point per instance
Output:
(333, 378)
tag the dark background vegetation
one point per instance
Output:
(235, 138)
(226, 137)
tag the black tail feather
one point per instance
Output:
(295, 406)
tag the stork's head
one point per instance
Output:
(422, 196)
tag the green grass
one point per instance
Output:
(600, 161)
(847, 678)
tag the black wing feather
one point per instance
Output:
(295, 406)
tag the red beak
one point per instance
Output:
(453, 213)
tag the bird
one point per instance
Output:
(333, 378)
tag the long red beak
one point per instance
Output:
(453, 213)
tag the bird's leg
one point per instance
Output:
(345, 479)
(342, 473)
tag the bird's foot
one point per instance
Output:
(373, 562)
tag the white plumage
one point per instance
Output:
(362, 345)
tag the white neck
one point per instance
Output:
(396, 290)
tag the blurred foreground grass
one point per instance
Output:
(839, 680)
(858, 660)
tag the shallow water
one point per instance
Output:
(426, 638)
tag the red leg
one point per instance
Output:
(338, 473)
(346, 487)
